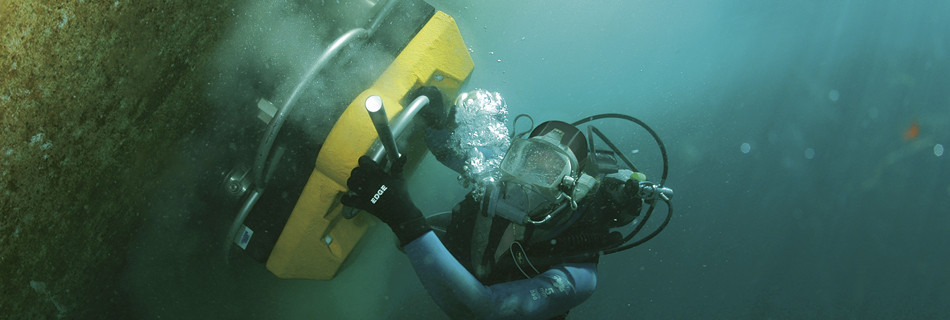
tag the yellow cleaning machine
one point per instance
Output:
(289, 213)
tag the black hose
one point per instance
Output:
(648, 237)
(636, 230)
(613, 147)
(514, 125)
(620, 245)
(656, 137)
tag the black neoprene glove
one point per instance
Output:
(385, 196)
(435, 115)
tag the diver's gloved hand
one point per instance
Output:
(384, 195)
(435, 115)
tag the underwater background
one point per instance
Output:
(805, 140)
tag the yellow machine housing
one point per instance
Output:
(317, 239)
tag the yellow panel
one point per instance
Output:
(316, 239)
(310, 233)
(437, 52)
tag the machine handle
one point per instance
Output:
(387, 134)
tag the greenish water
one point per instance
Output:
(797, 194)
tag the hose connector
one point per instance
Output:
(650, 191)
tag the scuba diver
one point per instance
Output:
(525, 246)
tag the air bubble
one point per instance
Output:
(745, 147)
(834, 95)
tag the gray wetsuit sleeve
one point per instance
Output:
(461, 295)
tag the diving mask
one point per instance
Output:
(538, 178)
(539, 162)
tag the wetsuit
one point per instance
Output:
(461, 295)
(531, 279)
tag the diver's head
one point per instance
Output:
(570, 137)
(554, 150)
(539, 174)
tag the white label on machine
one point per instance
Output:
(243, 237)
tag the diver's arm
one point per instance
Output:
(459, 294)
